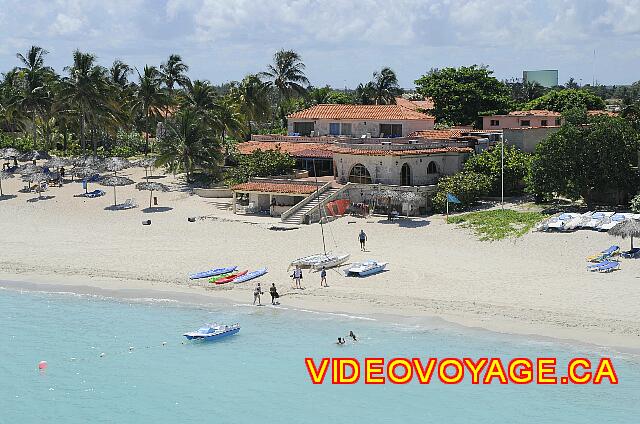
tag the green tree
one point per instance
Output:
(150, 99)
(252, 97)
(583, 160)
(87, 90)
(286, 76)
(261, 163)
(200, 96)
(516, 168)
(461, 94)
(563, 100)
(188, 144)
(174, 71)
(467, 186)
(385, 85)
(365, 94)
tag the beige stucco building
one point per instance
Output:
(522, 119)
(377, 121)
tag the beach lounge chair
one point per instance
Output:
(612, 265)
(128, 204)
(94, 194)
(608, 253)
(633, 253)
(595, 267)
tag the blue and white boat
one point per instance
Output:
(213, 332)
(363, 269)
(212, 272)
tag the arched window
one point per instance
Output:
(432, 168)
(405, 175)
(359, 174)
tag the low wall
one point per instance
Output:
(213, 192)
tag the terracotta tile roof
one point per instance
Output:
(438, 134)
(415, 104)
(295, 149)
(368, 152)
(534, 112)
(271, 187)
(601, 112)
(360, 112)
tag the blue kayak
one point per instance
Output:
(212, 272)
(250, 275)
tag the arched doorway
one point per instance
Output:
(432, 168)
(405, 175)
(359, 174)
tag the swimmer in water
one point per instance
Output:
(340, 341)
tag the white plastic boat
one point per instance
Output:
(213, 332)
(607, 224)
(362, 269)
(331, 261)
(596, 219)
(318, 261)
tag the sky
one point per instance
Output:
(342, 42)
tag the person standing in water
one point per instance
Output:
(256, 294)
(323, 278)
(363, 239)
(353, 336)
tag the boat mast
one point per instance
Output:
(324, 245)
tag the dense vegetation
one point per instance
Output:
(498, 224)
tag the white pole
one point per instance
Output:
(447, 220)
(502, 172)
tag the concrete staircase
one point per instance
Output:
(298, 216)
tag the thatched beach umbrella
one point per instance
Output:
(33, 156)
(84, 172)
(27, 170)
(627, 228)
(4, 176)
(151, 187)
(148, 164)
(37, 178)
(115, 164)
(115, 181)
(9, 152)
(87, 161)
(56, 162)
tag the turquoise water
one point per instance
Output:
(259, 375)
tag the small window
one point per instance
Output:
(543, 123)
(346, 129)
(390, 130)
(558, 122)
(334, 128)
(303, 128)
(432, 168)
(525, 123)
(495, 122)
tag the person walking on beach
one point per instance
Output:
(297, 277)
(323, 278)
(274, 294)
(363, 239)
(257, 292)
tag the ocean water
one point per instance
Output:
(259, 374)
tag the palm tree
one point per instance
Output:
(365, 94)
(386, 86)
(33, 95)
(188, 143)
(252, 98)
(87, 89)
(199, 95)
(119, 73)
(150, 98)
(286, 76)
(174, 71)
(228, 122)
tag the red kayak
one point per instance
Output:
(231, 277)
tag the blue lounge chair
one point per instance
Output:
(94, 193)
(609, 267)
(608, 253)
(633, 253)
(595, 267)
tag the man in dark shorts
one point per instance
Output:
(363, 239)
(274, 294)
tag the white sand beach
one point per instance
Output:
(534, 285)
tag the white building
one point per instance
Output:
(377, 121)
